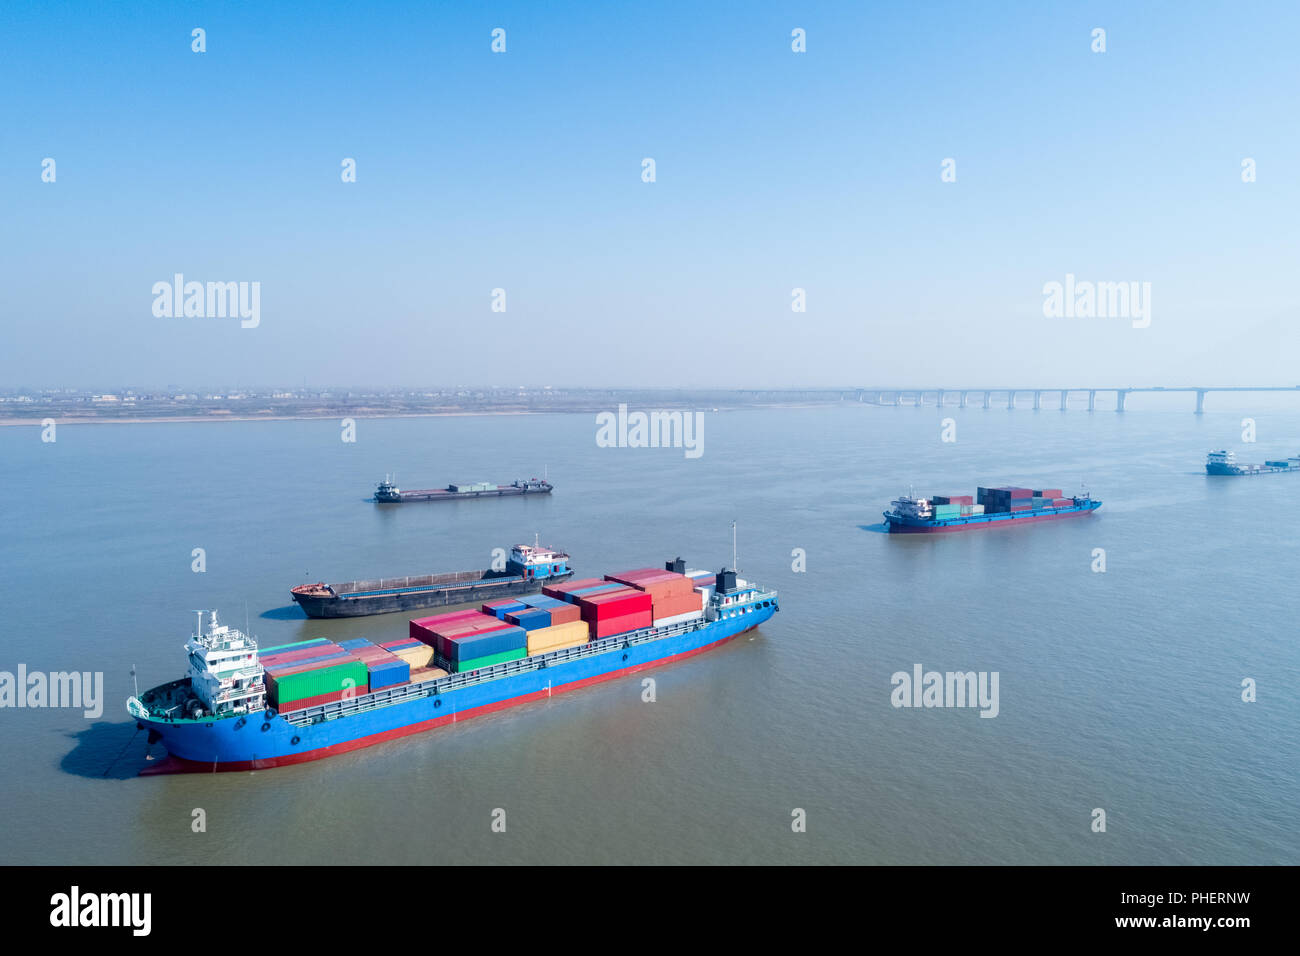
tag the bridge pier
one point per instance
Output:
(962, 402)
(1092, 400)
(1011, 399)
(1038, 400)
(1200, 401)
(1065, 398)
(938, 397)
(1120, 396)
(987, 404)
(898, 399)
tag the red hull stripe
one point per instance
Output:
(173, 764)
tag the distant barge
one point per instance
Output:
(527, 571)
(1224, 463)
(389, 493)
(996, 507)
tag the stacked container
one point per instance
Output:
(501, 607)
(561, 611)
(321, 672)
(562, 590)
(674, 598)
(416, 653)
(616, 612)
(557, 637)
(384, 669)
(467, 640)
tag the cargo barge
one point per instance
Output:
(527, 571)
(990, 508)
(239, 709)
(389, 493)
(1224, 463)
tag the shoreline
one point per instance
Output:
(191, 419)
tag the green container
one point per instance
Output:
(322, 680)
(490, 659)
(288, 647)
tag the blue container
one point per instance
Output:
(388, 673)
(530, 619)
(510, 608)
(353, 644)
(470, 646)
(542, 601)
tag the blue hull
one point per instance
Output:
(908, 525)
(260, 741)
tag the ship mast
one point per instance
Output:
(734, 565)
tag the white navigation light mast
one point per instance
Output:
(735, 566)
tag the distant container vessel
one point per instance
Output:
(389, 493)
(527, 571)
(991, 507)
(241, 708)
(1224, 462)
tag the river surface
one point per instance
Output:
(1118, 690)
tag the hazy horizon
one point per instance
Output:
(774, 171)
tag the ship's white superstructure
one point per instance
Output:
(225, 674)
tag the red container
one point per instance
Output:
(615, 604)
(621, 624)
(286, 657)
(280, 670)
(660, 584)
(1062, 502)
(672, 606)
(565, 615)
(318, 699)
(422, 628)
(1021, 493)
(1048, 493)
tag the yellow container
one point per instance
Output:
(557, 636)
(416, 656)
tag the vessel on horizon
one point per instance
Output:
(1224, 463)
(990, 507)
(389, 493)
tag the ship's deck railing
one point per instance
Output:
(439, 685)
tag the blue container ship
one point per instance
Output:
(989, 508)
(1224, 463)
(218, 717)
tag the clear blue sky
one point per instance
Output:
(774, 170)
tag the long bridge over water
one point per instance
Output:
(1002, 396)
